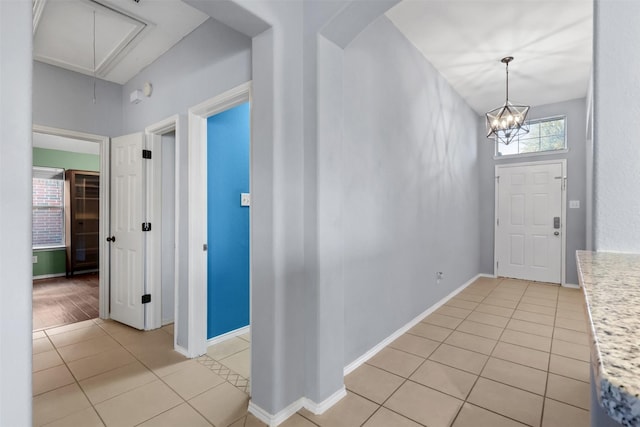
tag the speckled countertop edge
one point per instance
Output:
(611, 285)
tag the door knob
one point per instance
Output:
(555, 233)
(111, 239)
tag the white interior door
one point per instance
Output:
(127, 210)
(528, 237)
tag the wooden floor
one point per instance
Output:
(60, 300)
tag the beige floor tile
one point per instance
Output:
(40, 345)
(222, 404)
(460, 313)
(509, 401)
(240, 363)
(227, 348)
(455, 357)
(138, 405)
(251, 421)
(414, 344)
(516, 375)
(168, 329)
(479, 289)
(87, 348)
(46, 360)
(373, 383)
(568, 349)
(534, 308)
(386, 418)
(84, 418)
(138, 342)
(462, 303)
(523, 339)
(116, 381)
(537, 318)
(114, 328)
(100, 363)
(296, 420)
(432, 332)
(58, 403)
(488, 319)
(522, 355)
(568, 390)
(480, 329)
(471, 342)
(246, 337)
(558, 414)
(442, 320)
(352, 410)
(192, 380)
(514, 283)
(577, 306)
(396, 361)
(506, 295)
(50, 379)
(574, 325)
(76, 335)
(474, 416)
(470, 296)
(38, 334)
(70, 327)
(538, 301)
(163, 362)
(501, 302)
(571, 368)
(575, 315)
(494, 309)
(181, 415)
(424, 405)
(539, 293)
(444, 378)
(530, 328)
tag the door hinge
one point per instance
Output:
(146, 226)
(146, 298)
(146, 154)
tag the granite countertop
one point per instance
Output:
(611, 285)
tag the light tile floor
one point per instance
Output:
(502, 352)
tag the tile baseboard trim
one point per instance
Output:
(382, 344)
(282, 416)
(571, 285)
(228, 336)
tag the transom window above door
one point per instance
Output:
(545, 136)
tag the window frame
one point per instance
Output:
(53, 170)
(564, 150)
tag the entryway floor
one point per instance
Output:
(501, 353)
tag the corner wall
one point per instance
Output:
(409, 187)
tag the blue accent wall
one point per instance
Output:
(228, 137)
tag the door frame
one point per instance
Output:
(105, 145)
(563, 210)
(153, 133)
(197, 148)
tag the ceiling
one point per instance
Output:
(129, 35)
(551, 41)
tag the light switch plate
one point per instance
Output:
(245, 199)
(574, 204)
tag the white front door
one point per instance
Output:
(127, 250)
(529, 221)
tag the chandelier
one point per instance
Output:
(505, 122)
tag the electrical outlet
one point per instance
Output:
(439, 275)
(245, 199)
(34, 259)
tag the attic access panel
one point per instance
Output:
(64, 31)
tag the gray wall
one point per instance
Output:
(64, 99)
(409, 186)
(616, 126)
(15, 213)
(575, 111)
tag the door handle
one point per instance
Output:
(111, 239)
(556, 233)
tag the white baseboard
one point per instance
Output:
(228, 336)
(49, 276)
(372, 352)
(571, 285)
(490, 276)
(282, 416)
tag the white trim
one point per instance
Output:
(197, 161)
(563, 212)
(322, 407)
(385, 342)
(490, 276)
(571, 285)
(537, 153)
(228, 336)
(48, 276)
(155, 131)
(105, 144)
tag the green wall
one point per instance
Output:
(52, 261)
